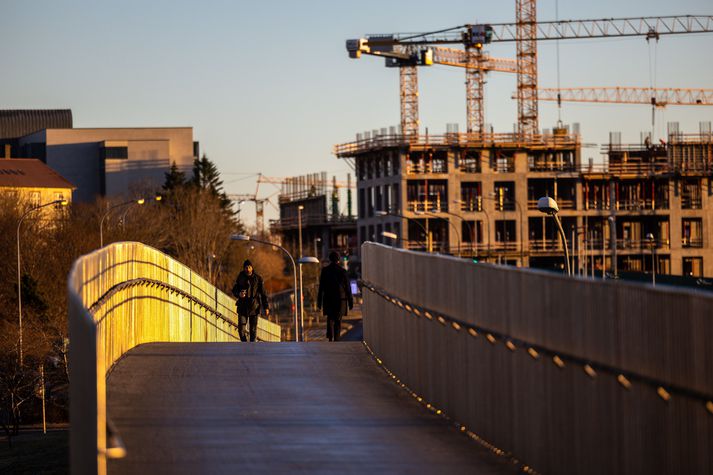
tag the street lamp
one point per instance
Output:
(652, 242)
(382, 213)
(139, 202)
(487, 221)
(494, 196)
(302, 260)
(424, 213)
(19, 278)
(393, 236)
(549, 206)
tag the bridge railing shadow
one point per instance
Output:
(120, 296)
(561, 374)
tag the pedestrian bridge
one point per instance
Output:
(465, 367)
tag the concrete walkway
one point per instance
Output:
(277, 408)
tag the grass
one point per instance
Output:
(36, 453)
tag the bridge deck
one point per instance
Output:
(277, 407)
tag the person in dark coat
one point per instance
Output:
(334, 296)
(250, 292)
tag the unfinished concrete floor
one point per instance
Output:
(277, 408)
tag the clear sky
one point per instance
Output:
(268, 85)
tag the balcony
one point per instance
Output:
(541, 245)
(598, 245)
(692, 242)
(472, 205)
(469, 166)
(435, 166)
(691, 202)
(426, 206)
(551, 166)
(562, 203)
(641, 204)
(597, 205)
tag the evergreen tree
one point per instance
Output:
(174, 178)
(207, 177)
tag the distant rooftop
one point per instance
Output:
(30, 173)
(15, 123)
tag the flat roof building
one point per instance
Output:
(108, 162)
(476, 195)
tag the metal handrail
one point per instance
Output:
(121, 296)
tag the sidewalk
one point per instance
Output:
(316, 330)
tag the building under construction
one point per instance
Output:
(476, 195)
(310, 204)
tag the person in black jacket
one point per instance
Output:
(334, 296)
(250, 292)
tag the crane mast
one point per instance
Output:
(526, 31)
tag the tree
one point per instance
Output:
(207, 177)
(174, 178)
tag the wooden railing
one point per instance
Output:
(121, 296)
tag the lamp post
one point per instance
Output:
(487, 222)
(549, 206)
(299, 258)
(303, 260)
(139, 201)
(447, 221)
(652, 243)
(382, 214)
(19, 277)
(493, 196)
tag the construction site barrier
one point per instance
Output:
(558, 374)
(120, 296)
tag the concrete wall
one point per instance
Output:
(554, 419)
(75, 154)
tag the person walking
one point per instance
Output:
(334, 295)
(250, 292)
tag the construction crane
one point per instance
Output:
(259, 208)
(408, 58)
(287, 180)
(288, 185)
(658, 97)
(526, 31)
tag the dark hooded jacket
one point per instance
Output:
(255, 296)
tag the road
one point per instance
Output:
(276, 408)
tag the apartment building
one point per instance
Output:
(31, 182)
(475, 195)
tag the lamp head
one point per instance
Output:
(389, 235)
(239, 237)
(380, 212)
(158, 198)
(64, 202)
(140, 201)
(547, 205)
(308, 260)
